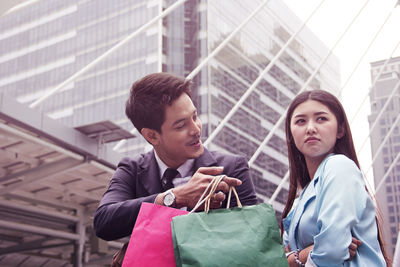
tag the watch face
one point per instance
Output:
(169, 199)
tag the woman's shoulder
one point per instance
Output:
(341, 169)
(340, 160)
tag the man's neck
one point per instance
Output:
(184, 169)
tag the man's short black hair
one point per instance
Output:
(149, 96)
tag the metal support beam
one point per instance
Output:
(36, 244)
(80, 242)
(44, 172)
(38, 211)
(38, 230)
(46, 201)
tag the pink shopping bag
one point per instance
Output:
(151, 239)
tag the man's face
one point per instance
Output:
(179, 139)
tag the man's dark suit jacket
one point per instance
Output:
(137, 180)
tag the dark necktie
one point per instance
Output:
(168, 176)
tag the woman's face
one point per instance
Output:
(314, 129)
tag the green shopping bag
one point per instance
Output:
(241, 236)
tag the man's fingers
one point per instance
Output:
(226, 183)
(207, 172)
(218, 197)
(232, 181)
(222, 186)
(210, 170)
(216, 200)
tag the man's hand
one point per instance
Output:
(188, 194)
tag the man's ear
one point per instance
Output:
(151, 136)
(340, 132)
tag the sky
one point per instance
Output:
(328, 24)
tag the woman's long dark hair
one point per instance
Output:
(299, 175)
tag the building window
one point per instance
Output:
(390, 199)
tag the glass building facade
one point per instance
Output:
(386, 128)
(48, 41)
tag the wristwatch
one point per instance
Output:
(169, 199)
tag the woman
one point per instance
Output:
(333, 205)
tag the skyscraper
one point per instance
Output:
(45, 43)
(385, 145)
(48, 41)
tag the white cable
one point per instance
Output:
(374, 82)
(387, 102)
(385, 105)
(387, 172)
(256, 82)
(366, 51)
(213, 53)
(277, 124)
(382, 144)
(226, 41)
(279, 188)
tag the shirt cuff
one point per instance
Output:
(309, 262)
(289, 253)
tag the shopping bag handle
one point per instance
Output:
(207, 198)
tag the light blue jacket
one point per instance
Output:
(334, 207)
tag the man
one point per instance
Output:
(161, 109)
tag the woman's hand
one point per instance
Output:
(355, 243)
(303, 255)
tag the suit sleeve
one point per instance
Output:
(341, 202)
(119, 207)
(246, 190)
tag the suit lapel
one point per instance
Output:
(149, 174)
